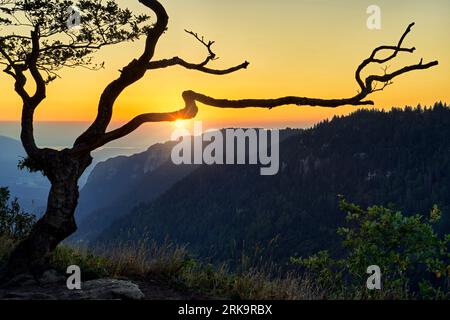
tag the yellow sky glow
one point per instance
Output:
(295, 47)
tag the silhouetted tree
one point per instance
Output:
(39, 44)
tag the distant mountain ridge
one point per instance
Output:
(116, 185)
(399, 158)
(30, 188)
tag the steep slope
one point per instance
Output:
(118, 184)
(400, 158)
(114, 177)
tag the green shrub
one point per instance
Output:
(14, 223)
(414, 259)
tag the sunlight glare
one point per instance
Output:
(180, 123)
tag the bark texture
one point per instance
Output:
(58, 222)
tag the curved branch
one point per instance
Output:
(190, 111)
(176, 61)
(191, 97)
(386, 78)
(367, 86)
(208, 45)
(357, 100)
(314, 102)
(31, 103)
(373, 59)
(136, 70)
(130, 74)
(32, 63)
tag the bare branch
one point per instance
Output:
(176, 61)
(190, 97)
(30, 103)
(373, 59)
(189, 112)
(367, 86)
(357, 100)
(208, 45)
(32, 63)
(135, 70)
(390, 76)
(130, 74)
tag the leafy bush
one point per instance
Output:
(414, 259)
(14, 223)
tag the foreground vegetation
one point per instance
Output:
(414, 259)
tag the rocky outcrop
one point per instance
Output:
(106, 289)
(52, 286)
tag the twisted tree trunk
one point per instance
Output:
(58, 222)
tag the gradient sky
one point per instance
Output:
(295, 47)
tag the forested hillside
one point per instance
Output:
(115, 186)
(399, 159)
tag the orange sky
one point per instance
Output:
(296, 47)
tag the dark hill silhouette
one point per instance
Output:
(115, 186)
(119, 184)
(398, 158)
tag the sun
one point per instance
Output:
(180, 123)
